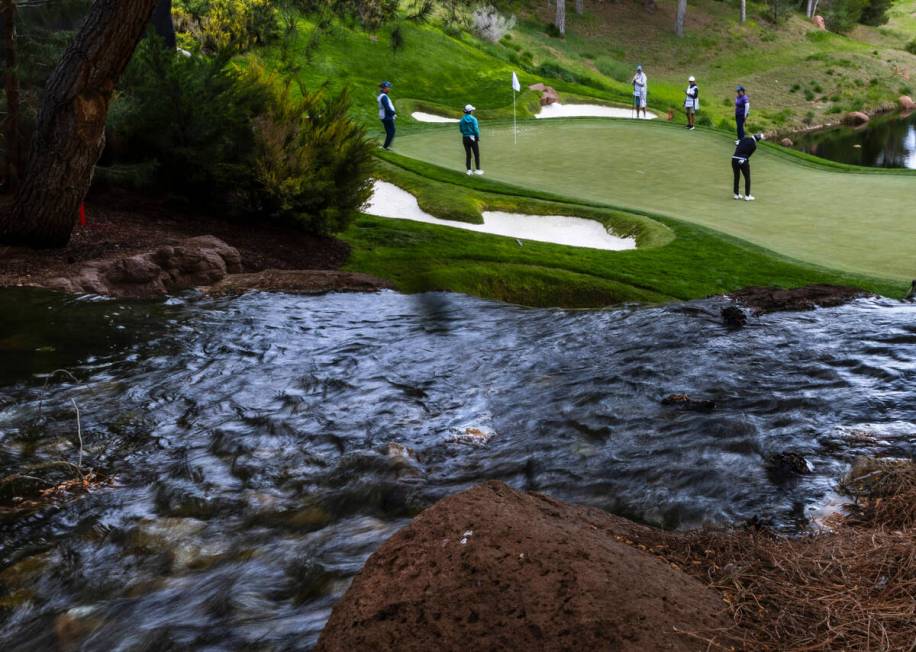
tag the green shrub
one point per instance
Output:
(794, 88)
(551, 30)
(613, 69)
(842, 15)
(911, 46)
(704, 120)
(236, 141)
(551, 68)
(875, 12)
(809, 95)
(312, 162)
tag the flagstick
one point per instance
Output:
(514, 117)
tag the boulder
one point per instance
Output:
(733, 317)
(786, 142)
(685, 402)
(906, 103)
(195, 261)
(786, 465)
(856, 118)
(492, 568)
(539, 87)
(549, 96)
(819, 23)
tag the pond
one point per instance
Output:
(256, 450)
(885, 142)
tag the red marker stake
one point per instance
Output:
(82, 214)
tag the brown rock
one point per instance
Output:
(819, 23)
(786, 142)
(856, 118)
(906, 103)
(495, 569)
(549, 96)
(196, 261)
(539, 87)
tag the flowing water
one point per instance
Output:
(885, 142)
(256, 450)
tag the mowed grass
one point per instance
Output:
(859, 222)
(675, 260)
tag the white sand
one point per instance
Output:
(390, 201)
(587, 111)
(420, 116)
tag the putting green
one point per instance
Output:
(860, 222)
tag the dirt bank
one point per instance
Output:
(492, 568)
(763, 300)
(122, 224)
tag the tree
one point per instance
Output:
(11, 165)
(580, 6)
(743, 16)
(70, 129)
(560, 21)
(681, 15)
(162, 23)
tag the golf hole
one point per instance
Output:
(587, 111)
(392, 202)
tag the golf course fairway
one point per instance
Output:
(852, 220)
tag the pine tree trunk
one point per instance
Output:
(580, 6)
(162, 22)
(561, 17)
(681, 16)
(743, 17)
(11, 164)
(70, 130)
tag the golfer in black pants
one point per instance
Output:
(741, 164)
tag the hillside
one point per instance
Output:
(796, 75)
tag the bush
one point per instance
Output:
(911, 46)
(842, 15)
(227, 25)
(613, 69)
(551, 68)
(312, 163)
(704, 121)
(238, 142)
(552, 30)
(875, 12)
(490, 25)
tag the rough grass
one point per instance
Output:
(851, 588)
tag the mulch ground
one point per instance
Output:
(125, 223)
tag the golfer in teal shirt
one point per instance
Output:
(470, 137)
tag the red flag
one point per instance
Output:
(82, 214)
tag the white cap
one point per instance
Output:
(691, 78)
(469, 108)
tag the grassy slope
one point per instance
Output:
(676, 260)
(846, 220)
(442, 73)
(865, 70)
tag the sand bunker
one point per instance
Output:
(390, 201)
(587, 111)
(420, 116)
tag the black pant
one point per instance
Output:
(389, 131)
(740, 168)
(471, 145)
(739, 119)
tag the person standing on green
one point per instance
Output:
(386, 113)
(470, 137)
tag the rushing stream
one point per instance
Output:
(258, 449)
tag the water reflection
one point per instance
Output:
(886, 142)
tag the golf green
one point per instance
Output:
(855, 221)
